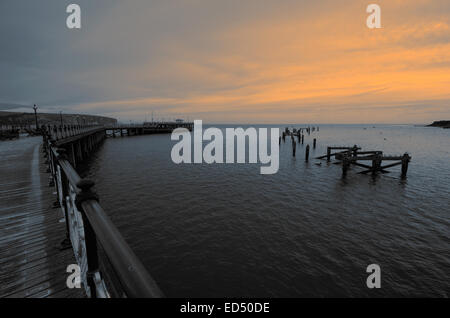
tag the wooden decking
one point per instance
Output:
(31, 263)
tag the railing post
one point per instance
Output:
(62, 155)
(90, 239)
(51, 167)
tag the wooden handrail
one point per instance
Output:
(136, 281)
(76, 197)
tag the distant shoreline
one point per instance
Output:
(442, 123)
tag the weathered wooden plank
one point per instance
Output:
(31, 263)
(50, 273)
(31, 231)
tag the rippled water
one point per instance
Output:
(226, 230)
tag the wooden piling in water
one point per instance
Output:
(314, 143)
(345, 165)
(307, 153)
(303, 139)
(353, 156)
(405, 161)
(376, 163)
(294, 145)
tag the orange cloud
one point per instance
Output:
(316, 66)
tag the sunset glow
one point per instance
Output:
(255, 62)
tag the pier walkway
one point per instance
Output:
(45, 205)
(31, 262)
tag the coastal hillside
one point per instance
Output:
(441, 123)
(25, 119)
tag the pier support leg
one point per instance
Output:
(328, 154)
(345, 165)
(405, 162)
(314, 143)
(376, 163)
(294, 145)
(355, 150)
(307, 153)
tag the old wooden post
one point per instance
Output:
(314, 143)
(294, 145)
(405, 161)
(355, 150)
(376, 163)
(328, 154)
(307, 153)
(345, 164)
(303, 139)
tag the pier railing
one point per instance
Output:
(58, 132)
(90, 232)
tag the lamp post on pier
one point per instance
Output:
(35, 116)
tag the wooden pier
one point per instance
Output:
(31, 261)
(146, 129)
(347, 156)
(53, 219)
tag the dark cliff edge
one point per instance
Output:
(441, 123)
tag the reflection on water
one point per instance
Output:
(226, 230)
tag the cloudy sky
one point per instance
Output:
(229, 61)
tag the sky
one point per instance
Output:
(229, 61)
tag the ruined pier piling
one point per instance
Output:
(353, 156)
(405, 162)
(307, 153)
(294, 145)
